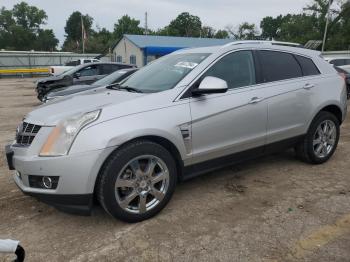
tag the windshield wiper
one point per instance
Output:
(127, 88)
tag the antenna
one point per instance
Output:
(146, 24)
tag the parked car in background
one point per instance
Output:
(341, 62)
(83, 74)
(346, 76)
(115, 77)
(57, 70)
(186, 113)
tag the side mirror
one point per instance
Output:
(76, 75)
(211, 85)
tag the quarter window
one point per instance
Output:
(237, 69)
(307, 65)
(279, 66)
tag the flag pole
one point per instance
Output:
(82, 34)
(327, 23)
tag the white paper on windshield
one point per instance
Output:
(185, 64)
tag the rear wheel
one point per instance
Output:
(137, 181)
(321, 140)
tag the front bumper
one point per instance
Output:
(72, 204)
(77, 176)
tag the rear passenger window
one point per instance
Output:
(108, 69)
(237, 69)
(307, 65)
(279, 66)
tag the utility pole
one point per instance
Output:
(327, 23)
(146, 24)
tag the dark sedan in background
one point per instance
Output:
(113, 78)
(83, 74)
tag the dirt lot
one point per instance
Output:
(272, 209)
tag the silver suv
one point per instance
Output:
(184, 114)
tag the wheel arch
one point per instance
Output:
(331, 108)
(335, 110)
(167, 144)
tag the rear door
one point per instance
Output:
(289, 81)
(223, 124)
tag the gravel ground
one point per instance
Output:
(275, 208)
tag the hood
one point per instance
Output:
(50, 78)
(63, 91)
(52, 112)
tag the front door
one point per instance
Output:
(87, 75)
(224, 124)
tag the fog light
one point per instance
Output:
(47, 182)
(18, 174)
(44, 182)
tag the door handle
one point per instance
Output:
(308, 86)
(255, 100)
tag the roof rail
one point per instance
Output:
(262, 43)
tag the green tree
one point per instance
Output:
(20, 29)
(300, 28)
(73, 29)
(310, 24)
(243, 31)
(46, 40)
(99, 41)
(185, 24)
(222, 34)
(271, 27)
(29, 17)
(127, 25)
(207, 32)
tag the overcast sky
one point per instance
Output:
(215, 13)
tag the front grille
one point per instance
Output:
(26, 133)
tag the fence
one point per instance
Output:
(33, 63)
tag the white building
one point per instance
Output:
(141, 49)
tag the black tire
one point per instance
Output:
(105, 187)
(305, 149)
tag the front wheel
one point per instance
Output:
(321, 140)
(137, 181)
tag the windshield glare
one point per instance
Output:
(165, 73)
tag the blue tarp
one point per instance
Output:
(159, 50)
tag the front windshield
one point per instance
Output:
(109, 79)
(165, 73)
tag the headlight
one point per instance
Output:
(62, 136)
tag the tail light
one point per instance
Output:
(343, 75)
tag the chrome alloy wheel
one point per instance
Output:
(142, 184)
(324, 138)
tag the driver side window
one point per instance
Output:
(237, 69)
(89, 71)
